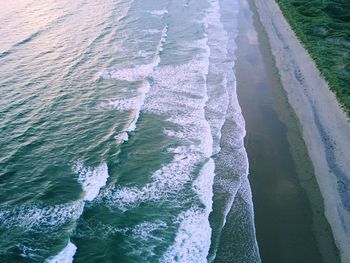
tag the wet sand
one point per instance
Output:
(288, 205)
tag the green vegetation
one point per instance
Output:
(323, 26)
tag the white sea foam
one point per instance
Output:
(190, 245)
(91, 179)
(94, 229)
(192, 241)
(146, 86)
(141, 100)
(161, 42)
(123, 104)
(159, 12)
(145, 230)
(233, 157)
(137, 73)
(203, 185)
(122, 137)
(133, 105)
(143, 53)
(220, 72)
(37, 218)
(65, 256)
(153, 31)
(185, 85)
(28, 251)
(33, 216)
(166, 181)
(44, 220)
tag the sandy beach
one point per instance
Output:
(324, 125)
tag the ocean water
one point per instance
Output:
(121, 135)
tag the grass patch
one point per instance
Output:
(323, 26)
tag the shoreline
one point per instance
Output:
(288, 206)
(325, 126)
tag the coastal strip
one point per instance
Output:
(324, 124)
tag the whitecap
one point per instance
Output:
(122, 137)
(91, 179)
(65, 256)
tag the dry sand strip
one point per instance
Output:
(325, 127)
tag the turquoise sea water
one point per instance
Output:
(116, 119)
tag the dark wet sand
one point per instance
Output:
(289, 213)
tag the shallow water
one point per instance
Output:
(111, 121)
